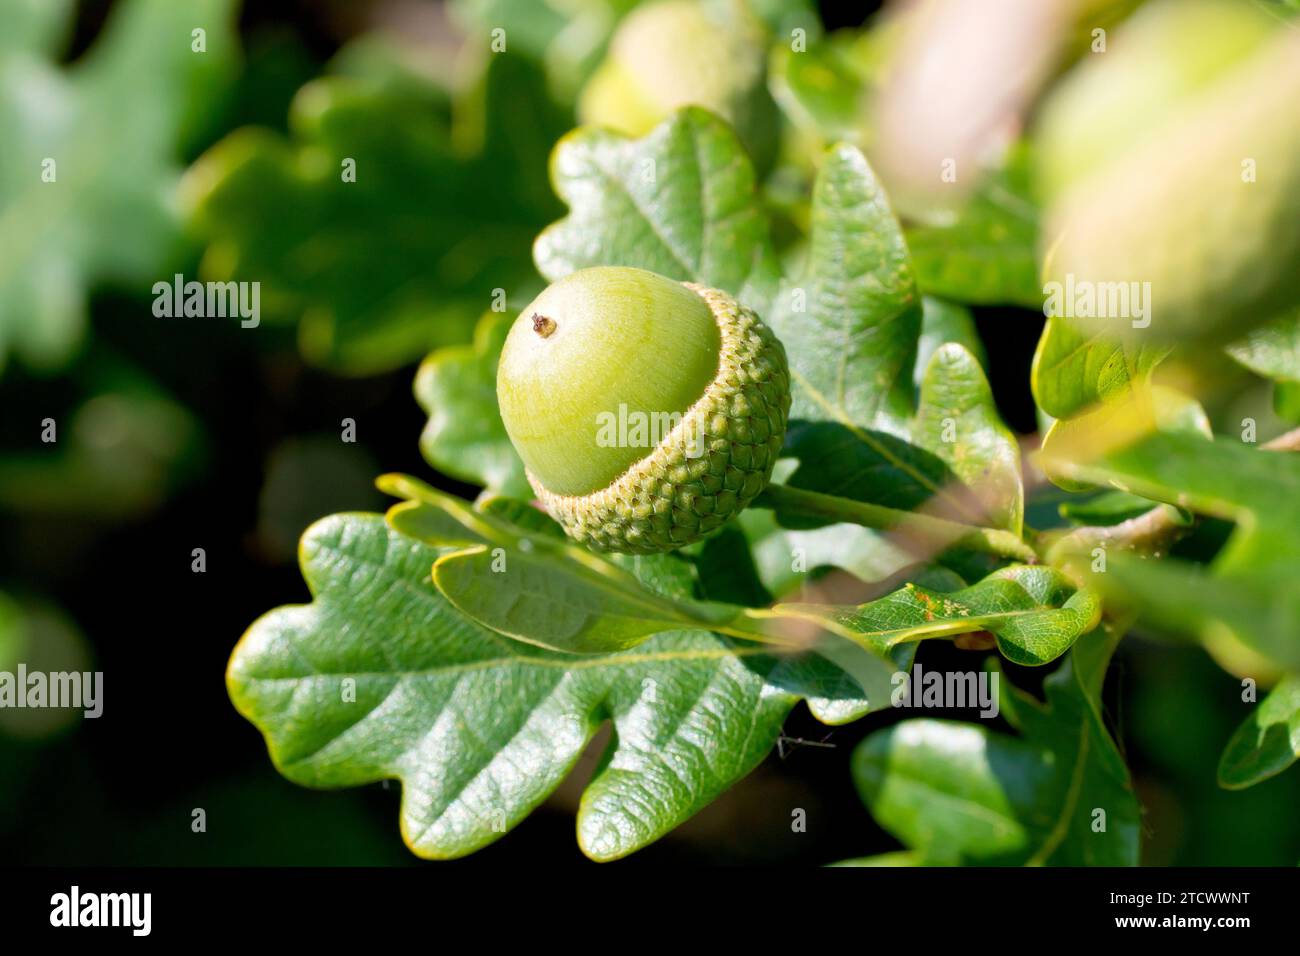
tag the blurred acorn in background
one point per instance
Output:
(1173, 158)
(676, 53)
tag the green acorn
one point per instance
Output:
(647, 412)
(676, 53)
(1174, 161)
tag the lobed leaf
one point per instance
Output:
(380, 677)
(1035, 612)
(114, 124)
(1057, 794)
(680, 201)
(378, 271)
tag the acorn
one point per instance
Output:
(1171, 170)
(676, 53)
(647, 412)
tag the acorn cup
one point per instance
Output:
(647, 412)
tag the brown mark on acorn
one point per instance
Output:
(543, 325)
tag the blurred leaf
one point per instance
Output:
(1074, 368)
(42, 637)
(404, 259)
(959, 422)
(819, 88)
(1273, 349)
(681, 201)
(112, 126)
(465, 437)
(881, 859)
(568, 36)
(1249, 588)
(988, 254)
(34, 26)
(307, 479)
(1267, 743)
(954, 792)
(1106, 508)
(118, 455)
(851, 323)
(692, 712)
(1159, 406)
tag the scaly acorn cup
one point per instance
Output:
(647, 412)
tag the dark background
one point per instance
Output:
(121, 789)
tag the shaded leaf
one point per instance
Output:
(465, 437)
(987, 255)
(1267, 743)
(113, 124)
(956, 792)
(442, 212)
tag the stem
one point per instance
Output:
(920, 531)
(1290, 441)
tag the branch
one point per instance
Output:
(919, 533)
(1153, 532)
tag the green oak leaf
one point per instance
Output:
(959, 422)
(851, 322)
(680, 201)
(988, 254)
(955, 792)
(1249, 587)
(1157, 405)
(881, 859)
(1074, 369)
(440, 217)
(542, 590)
(819, 88)
(1268, 742)
(943, 322)
(567, 36)
(91, 158)
(465, 437)
(1272, 350)
(1035, 613)
(380, 678)
(1105, 508)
